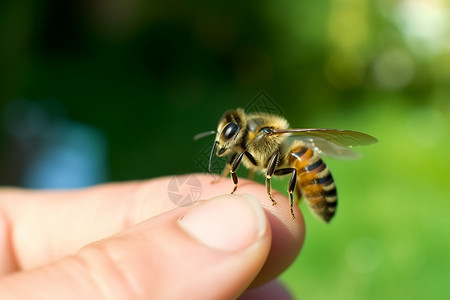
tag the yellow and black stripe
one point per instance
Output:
(314, 181)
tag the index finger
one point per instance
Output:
(46, 225)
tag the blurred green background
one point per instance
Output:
(132, 81)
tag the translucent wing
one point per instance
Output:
(330, 142)
(327, 148)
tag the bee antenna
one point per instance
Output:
(203, 134)
(212, 154)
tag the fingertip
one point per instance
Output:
(186, 251)
(288, 234)
(226, 222)
(162, 195)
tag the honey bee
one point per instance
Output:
(263, 142)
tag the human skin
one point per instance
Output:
(129, 241)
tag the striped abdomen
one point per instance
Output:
(314, 181)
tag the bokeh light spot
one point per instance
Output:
(393, 70)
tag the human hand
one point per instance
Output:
(129, 241)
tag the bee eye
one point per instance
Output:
(266, 130)
(230, 130)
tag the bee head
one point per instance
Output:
(229, 133)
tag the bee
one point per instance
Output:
(263, 142)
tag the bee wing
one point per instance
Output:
(327, 148)
(330, 142)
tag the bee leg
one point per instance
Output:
(251, 174)
(225, 171)
(234, 166)
(291, 186)
(271, 165)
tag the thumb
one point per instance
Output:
(210, 251)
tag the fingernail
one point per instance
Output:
(229, 222)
